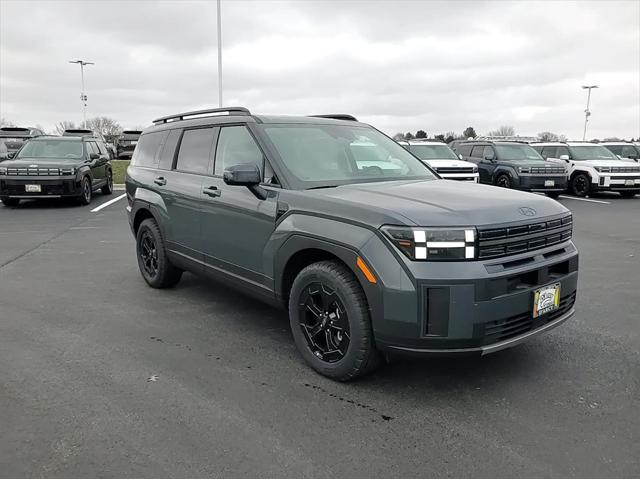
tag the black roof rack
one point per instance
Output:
(337, 116)
(232, 110)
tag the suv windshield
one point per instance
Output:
(52, 149)
(433, 152)
(330, 155)
(517, 152)
(592, 152)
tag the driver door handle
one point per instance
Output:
(212, 191)
(160, 181)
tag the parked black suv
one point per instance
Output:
(127, 143)
(13, 137)
(366, 259)
(56, 167)
(512, 164)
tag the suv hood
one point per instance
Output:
(605, 163)
(449, 163)
(437, 203)
(42, 162)
(526, 163)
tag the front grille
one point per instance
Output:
(625, 169)
(49, 188)
(448, 169)
(503, 329)
(33, 172)
(510, 240)
(547, 170)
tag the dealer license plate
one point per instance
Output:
(33, 188)
(628, 183)
(546, 299)
(549, 183)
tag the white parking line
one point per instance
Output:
(584, 199)
(107, 203)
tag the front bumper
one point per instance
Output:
(51, 186)
(541, 183)
(616, 182)
(476, 307)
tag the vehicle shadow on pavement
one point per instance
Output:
(52, 203)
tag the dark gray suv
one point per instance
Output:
(369, 257)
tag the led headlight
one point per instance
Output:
(68, 171)
(434, 244)
(3, 170)
(523, 170)
(603, 169)
(475, 169)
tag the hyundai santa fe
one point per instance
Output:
(368, 257)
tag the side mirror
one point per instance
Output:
(242, 175)
(10, 155)
(94, 156)
(564, 158)
(459, 156)
(489, 158)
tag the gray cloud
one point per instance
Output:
(437, 66)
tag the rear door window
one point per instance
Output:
(195, 151)
(145, 154)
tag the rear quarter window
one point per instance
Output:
(168, 152)
(146, 152)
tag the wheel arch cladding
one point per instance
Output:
(141, 215)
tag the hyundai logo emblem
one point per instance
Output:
(526, 211)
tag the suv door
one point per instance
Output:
(181, 189)
(236, 225)
(98, 166)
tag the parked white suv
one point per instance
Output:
(592, 168)
(624, 149)
(443, 160)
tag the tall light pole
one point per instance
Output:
(587, 113)
(219, 57)
(83, 97)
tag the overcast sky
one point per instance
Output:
(437, 66)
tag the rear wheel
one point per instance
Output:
(580, 184)
(10, 201)
(628, 194)
(108, 188)
(154, 264)
(86, 193)
(330, 322)
(503, 181)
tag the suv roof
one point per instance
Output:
(18, 131)
(494, 142)
(79, 132)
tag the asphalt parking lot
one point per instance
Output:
(101, 376)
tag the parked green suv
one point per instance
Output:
(368, 260)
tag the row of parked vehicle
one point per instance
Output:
(12, 138)
(552, 167)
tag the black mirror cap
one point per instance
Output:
(242, 175)
(94, 156)
(10, 155)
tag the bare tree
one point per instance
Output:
(64, 125)
(104, 125)
(5, 122)
(398, 136)
(504, 130)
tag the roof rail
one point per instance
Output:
(232, 110)
(518, 139)
(337, 116)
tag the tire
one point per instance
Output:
(503, 181)
(154, 264)
(554, 194)
(10, 201)
(628, 194)
(86, 193)
(108, 188)
(580, 185)
(339, 310)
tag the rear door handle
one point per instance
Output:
(212, 191)
(160, 181)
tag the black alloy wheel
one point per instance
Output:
(108, 188)
(580, 185)
(149, 254)
(324, 322)
(503, 181)
(85, 191)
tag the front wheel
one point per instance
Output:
(86, 192)
(108, 188)
(154, 264)
(580, 185)
(10, 201)
(330, 322)
(503, 181)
